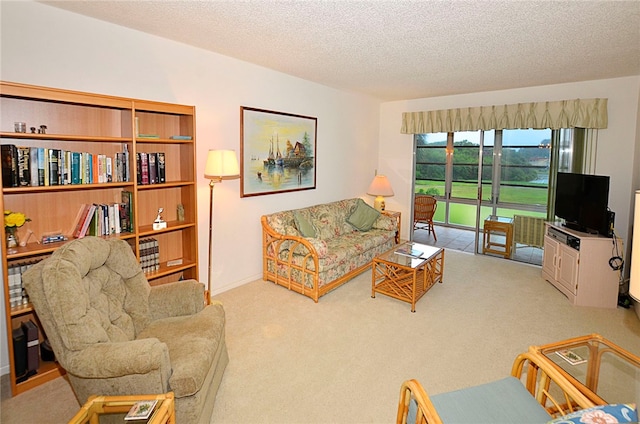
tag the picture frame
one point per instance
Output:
(277, 152)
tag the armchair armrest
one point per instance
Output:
(176, 299)
(112, 360)
(422, 411)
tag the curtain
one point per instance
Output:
(582, 113)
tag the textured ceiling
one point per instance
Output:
(399, 49)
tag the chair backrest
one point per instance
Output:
(424, 207)
(89, 291)
(528, 230)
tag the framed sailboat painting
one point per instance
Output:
(277, 152)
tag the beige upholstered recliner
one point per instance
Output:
(114, 334)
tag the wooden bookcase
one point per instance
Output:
(106, 125)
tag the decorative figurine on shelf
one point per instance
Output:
(33, 130)
(43, 129)
(180, 211)
(159, 223)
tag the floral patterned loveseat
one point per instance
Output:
(316, 249)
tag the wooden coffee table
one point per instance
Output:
(407, 278)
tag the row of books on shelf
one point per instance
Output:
(149, 254)
(150, 168)
(104, 219)
(41, 166)
(17, 294)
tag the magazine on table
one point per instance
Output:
(407, 250)
(570, 356)
(141, 410)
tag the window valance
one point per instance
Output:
(581, 113)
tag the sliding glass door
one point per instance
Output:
(475, 174)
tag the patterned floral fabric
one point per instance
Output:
(601, 414)
(339, 247)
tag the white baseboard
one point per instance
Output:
(222, 289)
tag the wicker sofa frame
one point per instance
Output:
(301, 263)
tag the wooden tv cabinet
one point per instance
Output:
(578, 264)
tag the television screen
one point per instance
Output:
(582, 201)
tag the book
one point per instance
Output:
(180, 137)
(42, 160)
(76, 175)
(126, 211)
(77, 222)
(570, 356)
(109, 170)
(407, 251)
(138, 168)
(153, 168)
(125, 164)
(33, 158)
(161, 168)
(52, 163)
(141, 410)
(24, 167)
(87, 221)
(144, 167)
(10, 171)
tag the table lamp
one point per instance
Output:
(381, 188)
(221, 165)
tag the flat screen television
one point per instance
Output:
(582, 201)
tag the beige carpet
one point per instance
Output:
(343, 360)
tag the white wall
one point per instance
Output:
(46, 46)
(618, 145)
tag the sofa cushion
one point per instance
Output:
(330, 219)
(303, 224)
(614, 413)
(504, 401)
(363, 216)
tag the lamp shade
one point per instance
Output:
(222, 165)
(381, 188)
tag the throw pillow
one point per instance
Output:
(614, 413)
(363, 216)
(305, 227)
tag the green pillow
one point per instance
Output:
(303, 225)
(363, 216)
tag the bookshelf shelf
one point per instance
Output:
(95, 124)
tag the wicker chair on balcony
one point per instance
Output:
(424, 207)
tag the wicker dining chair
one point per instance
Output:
(424, 207)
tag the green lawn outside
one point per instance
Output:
(465, 215)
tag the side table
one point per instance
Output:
(398, 216)
(501, 227)
(102, 405)
(603, 371)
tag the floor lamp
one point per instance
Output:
(221, 165)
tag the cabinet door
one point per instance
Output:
(568, 268)
(549, 258)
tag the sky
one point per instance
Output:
(526, 137)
